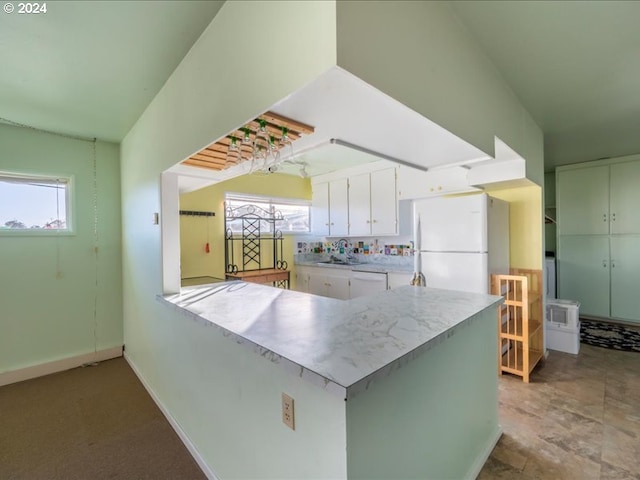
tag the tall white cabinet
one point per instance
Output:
(599, 237)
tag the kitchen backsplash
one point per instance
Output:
(364, 250)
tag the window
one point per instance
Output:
(35, 204)
(295, 212)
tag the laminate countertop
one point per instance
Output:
(340, 345)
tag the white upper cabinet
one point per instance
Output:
(338, 207)
(360, 201)
(360, 205)
(320, 208)
(384, 202)
(373, 204)
(414, 183)
(329, 208)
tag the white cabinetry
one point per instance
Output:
(360, 205)
(384, 202)
(338, 207)
(373, 204)
(330, 214)
(330, 282)
(414, 183)
(301, 278)
(344, 283)
(359, 201)
(320, 208)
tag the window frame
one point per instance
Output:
(271, 201)
(69, 190)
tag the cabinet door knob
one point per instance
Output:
(604, 217)
(613, 264)
(613, 217)
(327, 224)
(375, 221)
(604, 263)
(368, 221)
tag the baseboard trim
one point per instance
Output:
(174, 423)
(56, 366)
(476, 468)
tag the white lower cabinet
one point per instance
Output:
(329, 282)
(301, 276)
(343, 283)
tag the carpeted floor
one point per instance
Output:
(88, 423)
(610, 335)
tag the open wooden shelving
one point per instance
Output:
(520, 325)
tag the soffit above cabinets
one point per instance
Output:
(214, 157)
(340, 105)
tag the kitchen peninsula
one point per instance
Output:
(397, 385)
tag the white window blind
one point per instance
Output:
(34, 203)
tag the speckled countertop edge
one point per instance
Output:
(350, 335)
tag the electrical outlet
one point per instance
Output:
(288, 417)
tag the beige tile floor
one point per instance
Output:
(579, 418)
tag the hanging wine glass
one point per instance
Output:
(234, 154)
(261, 142)
(273, 157)
(246, 146)
(285, 145)
(259, 148)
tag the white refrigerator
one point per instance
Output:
(461, 241)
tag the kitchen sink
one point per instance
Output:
(338, 262)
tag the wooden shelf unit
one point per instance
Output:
(520, 321)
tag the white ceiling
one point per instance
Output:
(91, 68)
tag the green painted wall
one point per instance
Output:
(404, 428)
(46, 317)
(419, 53)
(224, 81)
(195, 232)
(212, 92)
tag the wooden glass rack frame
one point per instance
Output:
(520, 321)
(254, 248)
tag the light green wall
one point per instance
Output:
(233, 73)
(231, 407)
(402, 427)
(419, 53)
(46, 317)
(196, 231)
(222, 83)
